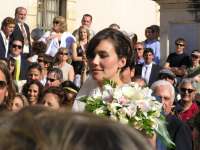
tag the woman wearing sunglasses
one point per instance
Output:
(58, 37)
(189, 107)
(62, 58)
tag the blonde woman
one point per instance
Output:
(61, 62)
(59, 37)
(78, 55)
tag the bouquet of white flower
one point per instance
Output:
(130, 104)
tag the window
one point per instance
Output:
(47, 10)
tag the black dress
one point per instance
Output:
(78, 65)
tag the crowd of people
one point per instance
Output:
(43, 74)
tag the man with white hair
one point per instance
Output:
(179, 132)
(21, 30)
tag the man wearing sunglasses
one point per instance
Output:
(21, 64)
(178, 59)
(179, 132)
(54, 77)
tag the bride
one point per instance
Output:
(108, 53)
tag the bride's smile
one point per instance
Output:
(105, 63)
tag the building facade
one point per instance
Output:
(133, 16)
(179, 18)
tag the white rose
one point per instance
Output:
(99, 111)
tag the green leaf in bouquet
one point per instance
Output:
(91, 104)
(110, 82)
(151, 113)
(163, 133)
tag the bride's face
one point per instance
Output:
(106, 64)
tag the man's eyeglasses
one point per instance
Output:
(183, 90)
(55, 22)
(2, 84)
(51, 80)
(159, 98)
(17, 46)
(179, 44)
(195, 56)
(62, 53)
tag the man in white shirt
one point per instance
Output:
(7, 27)
(149, 70)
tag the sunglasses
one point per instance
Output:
(183, 90)
(2, 84)
(17, 46)
(139, 49)
(195, 56)
(55, 22)
(62, 53)
(51, 80)
(40, 60)
(178, 44)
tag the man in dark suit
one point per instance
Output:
(7, 28)
(21, 64)
(149, 70)
(21, 30)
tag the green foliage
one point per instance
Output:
(110, 82)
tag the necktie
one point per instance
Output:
(24, 34)
(17, 70)
(146, 74)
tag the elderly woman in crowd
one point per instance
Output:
(187, 89)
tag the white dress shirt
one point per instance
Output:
(146, 71)
(6, 42)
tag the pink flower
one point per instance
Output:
(122, 100)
